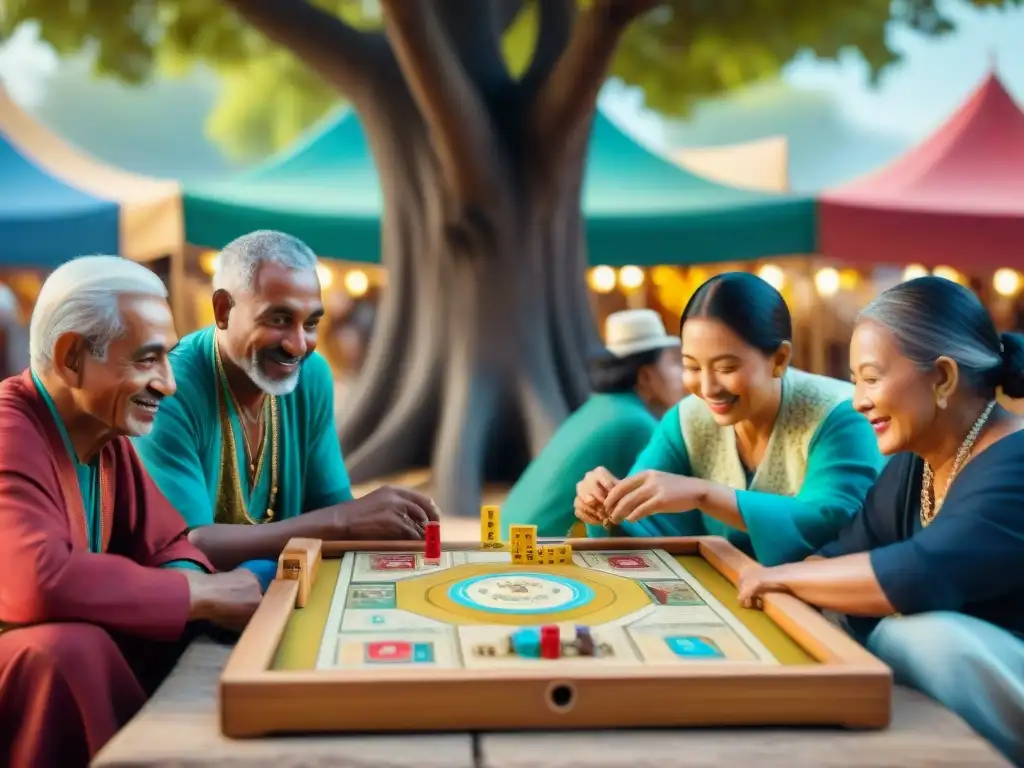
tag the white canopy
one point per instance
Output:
(762, 164)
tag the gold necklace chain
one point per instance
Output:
(254, 469)
(928, 513)
(269, 443)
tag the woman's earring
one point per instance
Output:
(942, 403)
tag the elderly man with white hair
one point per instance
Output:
(247, 449)
(99, 580)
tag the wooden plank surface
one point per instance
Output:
(922, 735)
(179, 727)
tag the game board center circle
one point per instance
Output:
(521, 593)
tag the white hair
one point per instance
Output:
(82, 296)
(242, 258)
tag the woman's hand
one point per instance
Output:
(755, 582)
(651, 492)
(591, 493)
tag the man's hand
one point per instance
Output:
(388, 513)
(225, 599)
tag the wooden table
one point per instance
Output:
(179, 727)
(340, 640)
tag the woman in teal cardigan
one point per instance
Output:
(774, 459)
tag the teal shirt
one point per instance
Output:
(89, 486)
(609, 430)
(88, 475)
(842, 464)
(183, 451)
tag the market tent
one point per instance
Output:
(57, 203)
(43, 221)
(645, 210)
(957, 199)
(325, 191)
(762, 164)
(639, 208)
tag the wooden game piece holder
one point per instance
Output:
(847, 687)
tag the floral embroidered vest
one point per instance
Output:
(807, 400)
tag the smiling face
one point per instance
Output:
(124, 391)
(272, 328)
(736, 380)
(891, 391)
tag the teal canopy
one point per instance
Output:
(639, 208)
(45, 221)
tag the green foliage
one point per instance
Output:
(702, 48)
(683, 52)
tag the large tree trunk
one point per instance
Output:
(480, 349)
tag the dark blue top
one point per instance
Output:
(970, 558)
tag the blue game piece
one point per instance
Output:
(423, 653)
(526, 642)
(688, 646)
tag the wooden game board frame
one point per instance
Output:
(848, 687)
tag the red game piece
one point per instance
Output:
(550, 642)
(432, 543)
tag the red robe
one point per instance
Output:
(104, 626)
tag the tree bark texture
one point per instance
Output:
(479, 352)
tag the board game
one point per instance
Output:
(638, 607)
(491, 635)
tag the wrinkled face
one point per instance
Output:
(891, 391)
(124, 391)
(661, 382)
(273, 328)
(736, 380)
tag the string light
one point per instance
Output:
(357, 283)
(631, 278)
(602, 279)
(1007, 282)
(773, 275)
(914, 271)
(827, 282)
(326, 275)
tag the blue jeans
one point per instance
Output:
(971, 667)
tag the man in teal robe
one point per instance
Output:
(247, 449)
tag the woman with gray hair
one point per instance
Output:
(929, 575)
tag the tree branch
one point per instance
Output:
(459, 125)
(342, 55)
(566, 100)
(504, 12)
(556, 20)
(475, 29)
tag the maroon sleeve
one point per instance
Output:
(159, 532)
(44, 579)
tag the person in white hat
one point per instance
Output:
(634, 385)
(774, 459)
